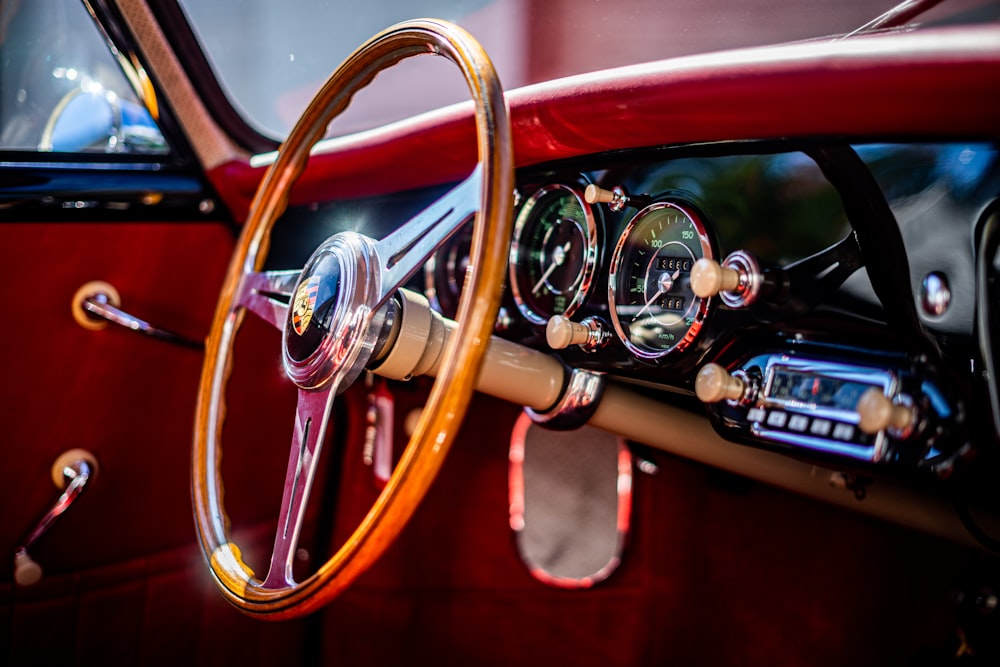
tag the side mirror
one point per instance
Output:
(98, 121)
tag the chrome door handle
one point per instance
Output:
(97, 303)
(71, 472)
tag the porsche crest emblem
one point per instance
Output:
(304, 304)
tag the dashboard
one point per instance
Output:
(816, 299)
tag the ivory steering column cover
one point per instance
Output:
(510, 371)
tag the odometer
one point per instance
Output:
(653, 308)
(553, 253)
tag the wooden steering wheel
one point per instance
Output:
(336, 315)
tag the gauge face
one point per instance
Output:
(444, 272)
(652, 305)
(553, 253)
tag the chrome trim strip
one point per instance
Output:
(578, 402)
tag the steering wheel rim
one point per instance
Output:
(274, 597)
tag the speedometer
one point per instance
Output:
(653, 308)
(553, 253)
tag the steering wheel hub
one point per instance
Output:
(330, 331)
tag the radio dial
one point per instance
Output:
(877, 412)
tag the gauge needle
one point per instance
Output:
(558, 257)
(653, 298)
(666, 283)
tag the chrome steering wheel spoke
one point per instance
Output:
(267, 294)
(312, 415)
(404, 251)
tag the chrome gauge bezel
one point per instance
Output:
(698, 307)
(519, 249)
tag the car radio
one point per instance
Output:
(835, 409)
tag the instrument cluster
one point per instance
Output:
(765, 285)
(649, 265)
(623, 265)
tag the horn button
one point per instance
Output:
(313, 306)
(329, 332)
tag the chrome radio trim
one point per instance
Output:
(875, 377)
(875, 449)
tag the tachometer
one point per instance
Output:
(444, 272)
(553, 253)
(653, 308)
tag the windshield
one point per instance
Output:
(270, 58)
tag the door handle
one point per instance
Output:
(97, 303)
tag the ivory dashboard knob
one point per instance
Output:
(590, 334)
(616, 197)
(561, 332)
(877, 412)
(714, 383)
(26, 571)
(708, 278)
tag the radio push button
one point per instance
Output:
(798, 423)
(821, 427)
(777, 419)
(843, 432)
